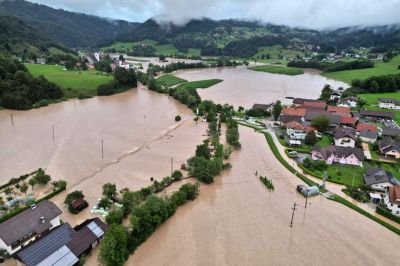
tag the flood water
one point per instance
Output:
(243, 87)
(236, 221)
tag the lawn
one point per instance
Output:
(200, 84)
(381, 68)
(325, 141)
(372, 102)
(343, 174)
(278, 70)
(72, 82)
(165, 49)
(126, 46)
(169, 80)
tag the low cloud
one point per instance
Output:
(306, 13)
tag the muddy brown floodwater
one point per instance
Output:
(243, 87)
(236, 221)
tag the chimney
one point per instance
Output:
(42, 220)
(33, 206)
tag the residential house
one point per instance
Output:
(348, 121)
(337, 154)
(368, 133)
(389, 103)
(379, 179)
(26, 226)
(63, 245)
(265, 107)
(41, 61)
(298, 102)
(350, 101)
(390, 132)
(339, 110)
(377, 115)
(392, 199)
(297, 131)
(314, 105)
(389, 148)
(345, 137)
(289, 114)
(124, 64)
(335, 95)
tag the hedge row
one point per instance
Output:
(19, 210)
(16, 180)
(365, 213)
(388, 214)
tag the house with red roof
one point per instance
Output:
(339, 109)
(297, 131)
(368, 133)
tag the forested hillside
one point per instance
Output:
(68, 28)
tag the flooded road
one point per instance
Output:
(236, 221)
(243, 87)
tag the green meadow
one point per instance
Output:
(278, 70)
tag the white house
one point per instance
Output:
(348, 102)
(345, 137)
(124, 64)
(337, 154)
(379, 179)
(335, 95)
(97, 56)
(392, 199)
(25, 227)
(388, 103)
(297, 131)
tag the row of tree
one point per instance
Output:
(332, 67)
(377, 84)
(123, 79)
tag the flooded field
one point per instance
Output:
(243, 87)
(236, 221)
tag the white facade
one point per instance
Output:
(390, 105)
(97, 56)
(54, 222)
(393, 207)
(124, 65)
(296, 133)
(381, 186)
(345, 142)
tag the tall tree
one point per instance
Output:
(113, 250)
(276, 110)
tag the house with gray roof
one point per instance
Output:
(390, 132)
(345, 137)
(379, 179)
(389, 148)
(389, 103)
(337, 154)
(377, 115)
(368, 136)
(64, 245)
(26, 226)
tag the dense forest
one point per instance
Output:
(332, 67)
(377, 84)
(19, 90)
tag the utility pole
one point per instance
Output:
(352, 183)
(172, 165)
(12, 119)
(294, 209)
(305, 207)
(53, 131)
(102, 148)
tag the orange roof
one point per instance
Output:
(339, 109)
(362, 127)
(294, 111)
(294, 125)
(315, 104)
(309, 128)
(348, 120)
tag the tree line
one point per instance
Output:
(377, 84)
(332, 67)
(123, 80)
(20, 90)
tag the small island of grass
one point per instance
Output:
(292, 71)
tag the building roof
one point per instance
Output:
(265, 107)
(388, 144)
(294, 125)
(300, 101)
(50, 249)
(315, 104)
(341, 132)
(62, 245)
(29, 221)
(339, 151)
(376, 176)
(300, 112)
(362, 127)
(377, 114)
(288, 118)
(394, 194)
(350, 99)
(369, 134)
(77, 203)
(390, 132)
(389, 100)
(339, 109)
(348, 120)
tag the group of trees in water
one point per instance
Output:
(332, 67)
(20, 90)
(123, 79)
(377, 84)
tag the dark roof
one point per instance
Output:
(377, 175)
(387, 144)
(77, 203)
(29, 221)
(46, 245)
(341, 132)
(265, 107)
(390, 132)
(288, 118)
(301, 101)
(339, 151)
(368, 134)
(389, 100)
(377, 114)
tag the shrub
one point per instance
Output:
(178, 118)
(115, 216)
(176, 175)
(104, 203)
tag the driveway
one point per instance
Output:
(367, 153)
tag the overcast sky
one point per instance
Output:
(308, 13)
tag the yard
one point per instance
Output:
(72, 82)
(381, 68)
(292, 71)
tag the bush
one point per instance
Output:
(115, 216)
(178, 118)
(104, 203)
(387, 213)
(176, 175)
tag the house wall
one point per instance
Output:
(368, 140)
(345, 142)
(295, 134)
(389, 106)
(394, 208)
(381, 186)
(394, 154)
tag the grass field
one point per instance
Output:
(372, 98)
(72, 82)
(200, 84)
(381, 68)
(292, 71)
(169, 80)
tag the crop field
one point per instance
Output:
(381, 68)
(72, 82)
(169, 80)
(292, 71)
